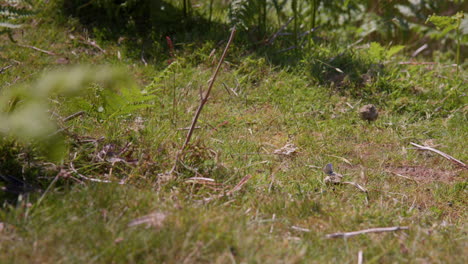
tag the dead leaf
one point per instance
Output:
(288, 150)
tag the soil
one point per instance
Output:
(425, 175)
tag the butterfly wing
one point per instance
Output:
(328, 169)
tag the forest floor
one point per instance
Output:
(262, 139)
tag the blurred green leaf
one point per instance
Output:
(25, 109)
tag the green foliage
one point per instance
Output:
(447, 24)
(24, 113)
(377, 53)
(11, 12)
(309, 98)
(110, 104)
(249, 15)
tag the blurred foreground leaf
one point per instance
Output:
(24, 110)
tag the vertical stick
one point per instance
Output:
(205, 97)
(203, 100)
(294, 9)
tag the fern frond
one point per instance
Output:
(10, 12)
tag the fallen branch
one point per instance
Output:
(203, 100)
(94, 44)
(357, 186)
(88, 178)
(452, 159)
(5, 68)
(419, 50)
(301, 229)
(75, 115)
(38, 49)
(366, 231)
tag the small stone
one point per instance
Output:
(369, 112)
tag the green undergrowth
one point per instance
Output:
(52, 212)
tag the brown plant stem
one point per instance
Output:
(203, 100)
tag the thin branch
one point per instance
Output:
(366, 231)
(272, 39)
(75, 115)
(357, 186)
(204, 99)
(360, 257)
(5, 68)
(301, 229)
(94, 44)
(38, 49)
(447, 156)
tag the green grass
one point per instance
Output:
(279, 100)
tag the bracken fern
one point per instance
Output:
(11, 11)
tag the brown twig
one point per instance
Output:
(357, 186)
(203, 100)
(205, 97)
(5, 68)
(365, 231)
(72, 116)
(38, 49)
(447, 156)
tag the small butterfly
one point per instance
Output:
(332, 176)
(328, 169)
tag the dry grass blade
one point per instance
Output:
(154, 219)
(366, 231)
(447, 156)
(239, 185)
(236, 188)
(402, 176)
